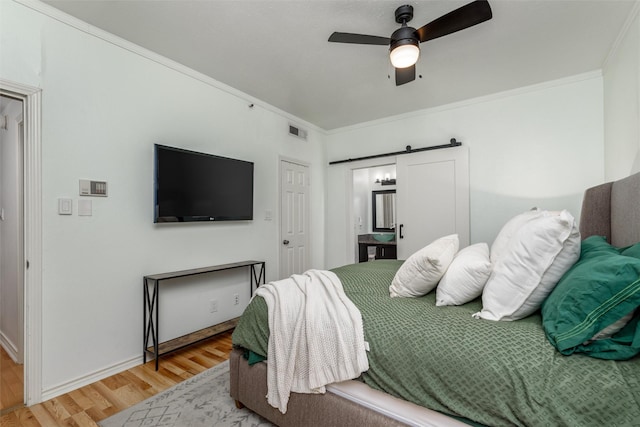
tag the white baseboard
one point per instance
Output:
(77, 383)
(9, 347)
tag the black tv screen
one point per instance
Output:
(192, 186)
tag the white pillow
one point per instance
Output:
(466, 276)
(421, 272)
(511, 227)
(537, 256)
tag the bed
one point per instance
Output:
(457, 370)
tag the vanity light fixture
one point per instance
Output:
(386, 181)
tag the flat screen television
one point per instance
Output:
(192, 186)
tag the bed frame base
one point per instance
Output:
(248, 387)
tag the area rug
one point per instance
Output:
(202, 400)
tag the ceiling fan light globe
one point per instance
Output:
(404, 56)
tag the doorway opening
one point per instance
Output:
(366, 181)
(11, 253)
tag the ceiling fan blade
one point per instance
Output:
(405, 75)
(359, 39)
(464, 17)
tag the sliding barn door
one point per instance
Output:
(432, 198)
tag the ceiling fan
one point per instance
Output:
(404, 43)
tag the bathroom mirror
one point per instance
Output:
(384, 210)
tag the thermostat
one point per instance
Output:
(93, 188)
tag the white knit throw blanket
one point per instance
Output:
(316, 336)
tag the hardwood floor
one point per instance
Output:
(94, 402)
(11, 382)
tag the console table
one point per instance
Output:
(151, 285)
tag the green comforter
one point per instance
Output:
(494, 373)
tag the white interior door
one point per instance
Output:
(294, 218)
(432, 198)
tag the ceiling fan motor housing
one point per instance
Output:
(402, 36)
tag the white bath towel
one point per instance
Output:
(316, 336)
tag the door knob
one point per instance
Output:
(285, 242)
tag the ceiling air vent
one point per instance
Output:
(296, 131)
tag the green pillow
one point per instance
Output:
(632, 251)
(600, 289)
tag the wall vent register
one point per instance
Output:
(296, 131)
(93, 188)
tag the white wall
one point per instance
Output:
(537, 146)
(104, 106)
(11, 277)
(622, 102)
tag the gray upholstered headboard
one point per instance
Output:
(613, 210)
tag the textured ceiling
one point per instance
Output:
(277, 51)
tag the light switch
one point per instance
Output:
(84, 207)
(65, 206)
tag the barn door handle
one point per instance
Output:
(401, 226)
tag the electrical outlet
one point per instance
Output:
(236, 299)
(213, 306)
